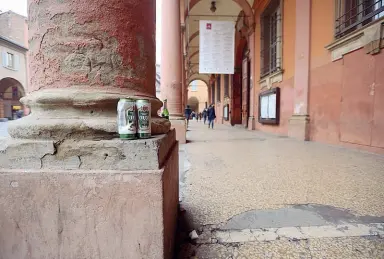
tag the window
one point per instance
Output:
(218, 82)
(226, 85)
(353, 14)
(194, 86)
(271, 39)
(10, 60)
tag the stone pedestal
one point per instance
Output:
(299, 127)
(251, 123)
(181, 130)
(68, 187)
(88, 199)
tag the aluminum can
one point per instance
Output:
(127, 118)
(144, 118)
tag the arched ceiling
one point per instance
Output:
(226, 10)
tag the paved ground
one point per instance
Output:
(254, 195)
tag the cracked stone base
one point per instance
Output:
(88, 199)
(78, 113)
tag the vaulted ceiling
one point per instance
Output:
(226, 10)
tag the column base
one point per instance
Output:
(251, 123)
(81, 199)
(299, 127)
(77, 113)
(180, 126)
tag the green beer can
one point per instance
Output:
(127, 119)
(144, 118)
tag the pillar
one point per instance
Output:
(69, 187)
(299, 122)
(171, 66)
(183, 83)
(252, 98)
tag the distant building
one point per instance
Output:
(197, 95)
(13, 67)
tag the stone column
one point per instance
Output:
(68, 187)
(252, 97)
(183, 84)
(171, 66)
(299, 122)
(82, 60)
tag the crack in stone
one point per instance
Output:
(81, 162)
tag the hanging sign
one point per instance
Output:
(217, 47)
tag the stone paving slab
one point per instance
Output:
(324, 248)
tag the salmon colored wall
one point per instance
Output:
(322, 24)
(346, 97)
(286, 86)
(289, 20)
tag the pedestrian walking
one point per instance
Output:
(211, 115)
(187, 114)
(205, 115)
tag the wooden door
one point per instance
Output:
(236, 99)
(245, 93)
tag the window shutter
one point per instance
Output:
(5, 59)
(16, 62)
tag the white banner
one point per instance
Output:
(217, 47)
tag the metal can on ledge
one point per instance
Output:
(127, 119)
(144, 118)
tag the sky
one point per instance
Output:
(17, 6)
(20, 7)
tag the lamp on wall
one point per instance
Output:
(213, 6)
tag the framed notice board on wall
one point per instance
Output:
(269, 106)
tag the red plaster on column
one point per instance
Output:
(84, 56)
(92, 43)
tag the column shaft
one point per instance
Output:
(171, 69)
(299, 122)
(84, 56)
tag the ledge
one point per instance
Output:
(268, 81)
(352, 41)
(74, 154)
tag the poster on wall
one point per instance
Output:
(269, 106)
(217, 44)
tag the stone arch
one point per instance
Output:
(193, 54)
(11, 90)
(194, 35)
(193, 103)
(244, 5)
(196, 76)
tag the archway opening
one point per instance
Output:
(11, 91)
(197, 95)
